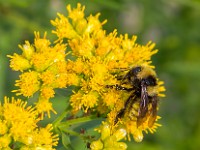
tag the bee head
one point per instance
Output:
(135, 71)
(150, 81)
(146, 73)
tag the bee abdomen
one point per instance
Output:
(132, 112)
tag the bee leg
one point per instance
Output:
(120, 77)
(119, 87)
(122, 111)
(119, 115)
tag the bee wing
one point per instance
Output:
(153, 111)
(142, 111)
(144, 101)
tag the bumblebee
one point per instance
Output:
(142, 81)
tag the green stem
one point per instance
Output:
(70, 132)
(60, 126)
(57, 121)
(73, 133)
(64, 126)
(76, 121)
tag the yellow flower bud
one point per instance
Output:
(110, 142)
(138, 136)
(27, 49)
(105, 132)
(81, 26)
(120, 134)
(122, 145)
(96, 145)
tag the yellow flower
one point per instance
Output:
(46, 55)
(106, 43)
(4, 128)
(76, 101)
(45, 137)
(64, 28)
(82, 46)
(19, 63)
(76, 66)
(68, 79)
(42, 57)
(76, 13)
(27, 50)
(89, 100)
(44, 106)
(79, 26)
(47, 92)
(161, 89)
(111, 98)
(28, 84)
(57, 76)
(128, 44)
(19, 126)
(41, 44)
(5, 140)
(48, 78)
(84, 101)
(94, 24)
(43, 68)
(41, 61)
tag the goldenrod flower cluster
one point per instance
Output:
(100, 58)
(19, 127)
(95, 60)
(43, 68)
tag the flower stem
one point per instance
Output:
(77, 121)
(57, 121)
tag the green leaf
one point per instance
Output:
(66, 141)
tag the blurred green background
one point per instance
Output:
(174, 25)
